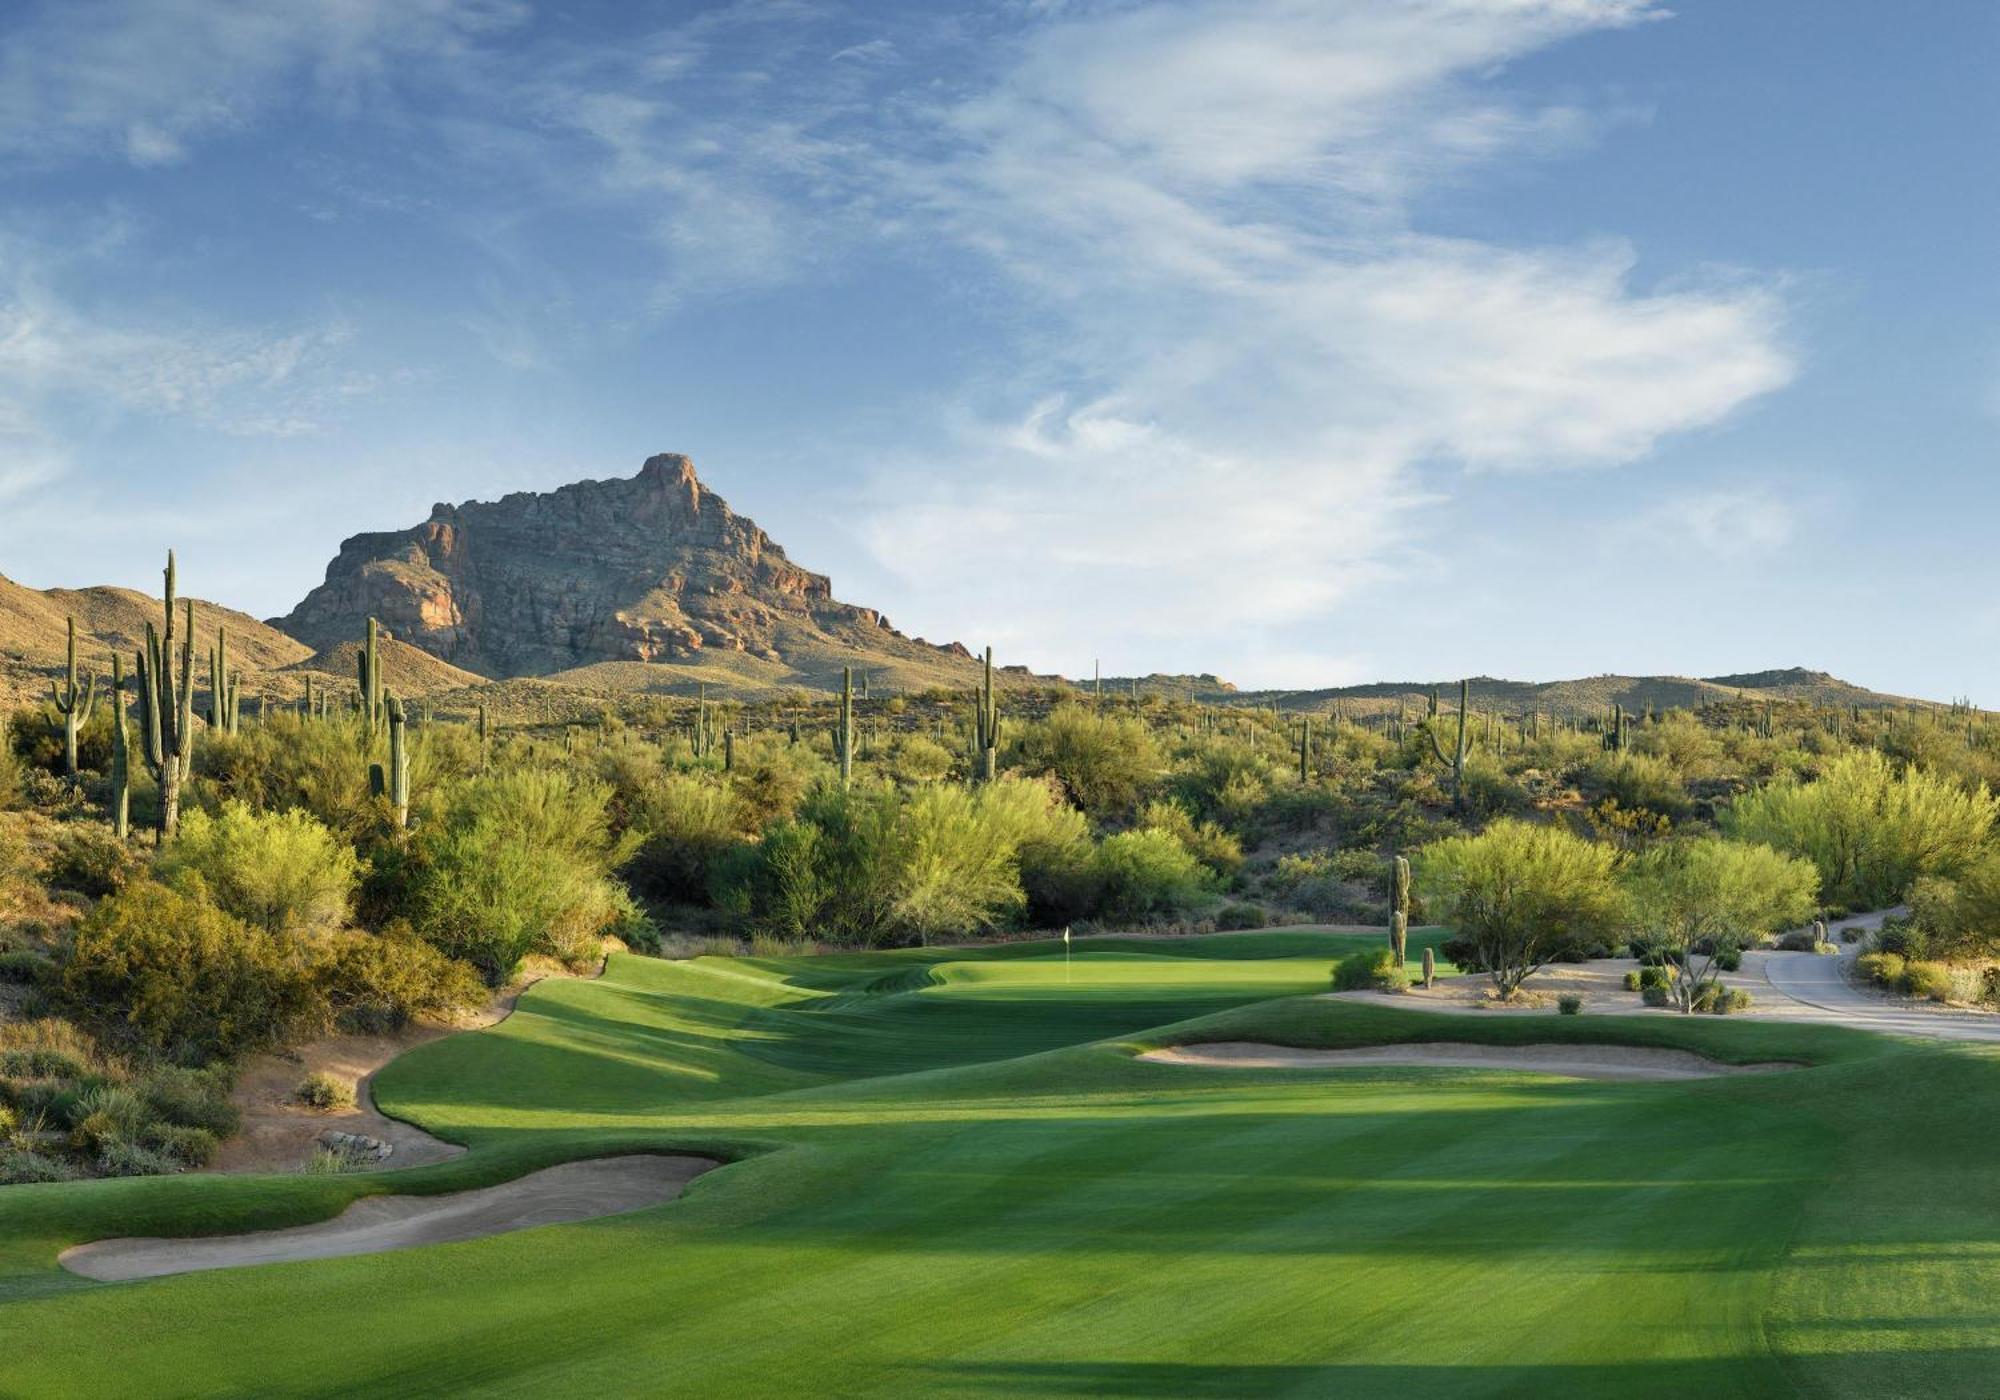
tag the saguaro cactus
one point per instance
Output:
(368, 663)
(1614, 734)
(1430, 967)
(986, 729)
(1399, 909)
(1455, 760)
(121, 754)
(73, 704)
(1305, 748)
(394, 782)
(843, 731)
(166, 707)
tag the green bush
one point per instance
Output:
(372, 983)
(281, 871)
(1632, 982)
(519, 862)
(1926, 979)
(1654, 995)
(684, 822)
(1569, 1004)
(1372, 969)
(1883, 969)
(182, 978)
(1208, 843)
(1104, 763)
(92, 861)
(1147, 874)
(190, 1098)
(1241, 916)
(186, 1147)
(23, 1167)
(27, 969)
(324, 1092)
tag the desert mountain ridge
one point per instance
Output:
(545, 603)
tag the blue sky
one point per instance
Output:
(1303, 341)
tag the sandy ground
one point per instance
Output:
(572, 1191)
(281, 1135)
(1783, 986)
(1569, 1061)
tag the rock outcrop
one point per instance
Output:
(652, 568)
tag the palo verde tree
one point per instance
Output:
(1698, 899)
(1520, 893)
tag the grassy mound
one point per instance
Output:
(950, 1177)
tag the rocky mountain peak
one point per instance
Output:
(653, 567)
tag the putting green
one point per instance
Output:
(950, 1177)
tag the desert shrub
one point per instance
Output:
(1147, 874)
(1798, 940)
(1722, 1001)
(281, 871)
(792, 892)
(1225, 780)
(1372, 969)
(1104, 762)
(27, 969)
(189, 1098)
(1959, 918)
(917, 758)
(1060, 877)
(121, 1157)
(1902, 935)
(684, 821)
(11, 768)
(1569, 1004)
(183, 978)
(23, 1167)
(518, 862)
(90, 860)
(1208, 843)
(1926, 979)
(324, 1092)
(373, 983)
(1883, 969)
(1728, 958)
(36, 738)
(1241, 916)
(1657, 975)
(1488, 790)
(959, 862)
(1654, 995)
(186, 1147)
(1640, 782)
(1632, 982)
(1870, 829)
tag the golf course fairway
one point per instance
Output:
(947, 1174)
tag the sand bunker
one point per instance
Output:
(1569, 1061)
(572, 1191)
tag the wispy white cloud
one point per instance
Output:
(1207, 201)
(147, 81)
(1742, 525)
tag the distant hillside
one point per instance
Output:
(32, 636)
(1587, 695)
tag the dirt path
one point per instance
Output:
(279, 1134)
(1825, 989)
(376, 1224)
(1626, 1062)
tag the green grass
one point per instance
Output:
(950, 1177)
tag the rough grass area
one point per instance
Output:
(949, 1177)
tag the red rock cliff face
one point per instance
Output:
(653, 568)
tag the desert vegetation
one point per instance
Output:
(191, 878)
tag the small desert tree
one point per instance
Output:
(1695, 898)
(1520, 893)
